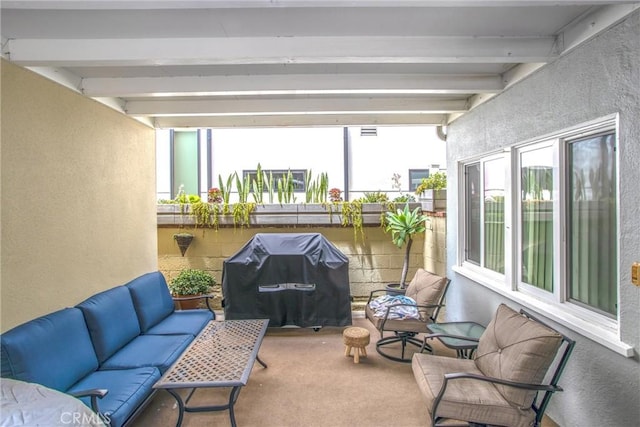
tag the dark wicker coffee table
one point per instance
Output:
(222, 355)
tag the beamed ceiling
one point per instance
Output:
(224, 63)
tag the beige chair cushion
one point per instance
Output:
(516, 348)
(465, 399)
(426, 288)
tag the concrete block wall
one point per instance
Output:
(373, 259)
(435, 243)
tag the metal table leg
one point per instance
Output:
(180, 406)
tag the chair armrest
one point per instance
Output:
(417, 306)
(94, 393)
(526, 386)
(206, 297)
(459, 337)
(191, 297)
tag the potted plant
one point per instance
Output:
(403, 225)
(432, 192)
(189, 283)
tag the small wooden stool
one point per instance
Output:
(356, 338)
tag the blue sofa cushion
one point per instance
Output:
(151, 299)
(149, 350)
(183, 322)
(53, 350)
(111, 319)
(128, 389)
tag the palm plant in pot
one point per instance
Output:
(403, 225)
(190, 283)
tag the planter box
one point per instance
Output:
(434, 200)
(285, 214)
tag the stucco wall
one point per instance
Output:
(78, 197)
(600, 78)
(373, 261)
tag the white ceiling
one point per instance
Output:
(222, 63)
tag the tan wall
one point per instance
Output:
(435, 243)
(78, 197)
(366, 270)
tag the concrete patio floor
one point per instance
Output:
(310, 383)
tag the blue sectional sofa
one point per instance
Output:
(109, 350)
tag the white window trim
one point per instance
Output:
(603, 331)
(599, 328)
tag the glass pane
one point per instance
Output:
(536, 188)
(494, 176)
(472, 221)
(592, 248)
(185, 162)
(416, 176)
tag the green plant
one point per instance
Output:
(225, 189)
(436, 181)
(258, 185)
(404, 198)
(243, 188)
(374, 197)
(241, 213)
(286, 188)
(352, 215)
(316, 190)
(191, 282)
(201, 213)
(403, 225)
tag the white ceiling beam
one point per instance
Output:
(291, 84)
(279, 50)
(519, 72)
(61, 76)
(595, 22)
(298, 120)
(330, 105)
(208, 4)
(74, 82)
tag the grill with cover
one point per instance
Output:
(297, 279)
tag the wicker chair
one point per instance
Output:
(428, 290)
(510, 381)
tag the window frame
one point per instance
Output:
(524, 287)
(482, 161)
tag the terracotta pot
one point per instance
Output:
(188, 304)
(395, 289)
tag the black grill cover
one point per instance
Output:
(298, 279)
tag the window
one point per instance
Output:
(297, 175)
(493, 191)
(591, 222)
(416, 176)
(536, 216)
(551, 231)
(474, 231)
(484, 199)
